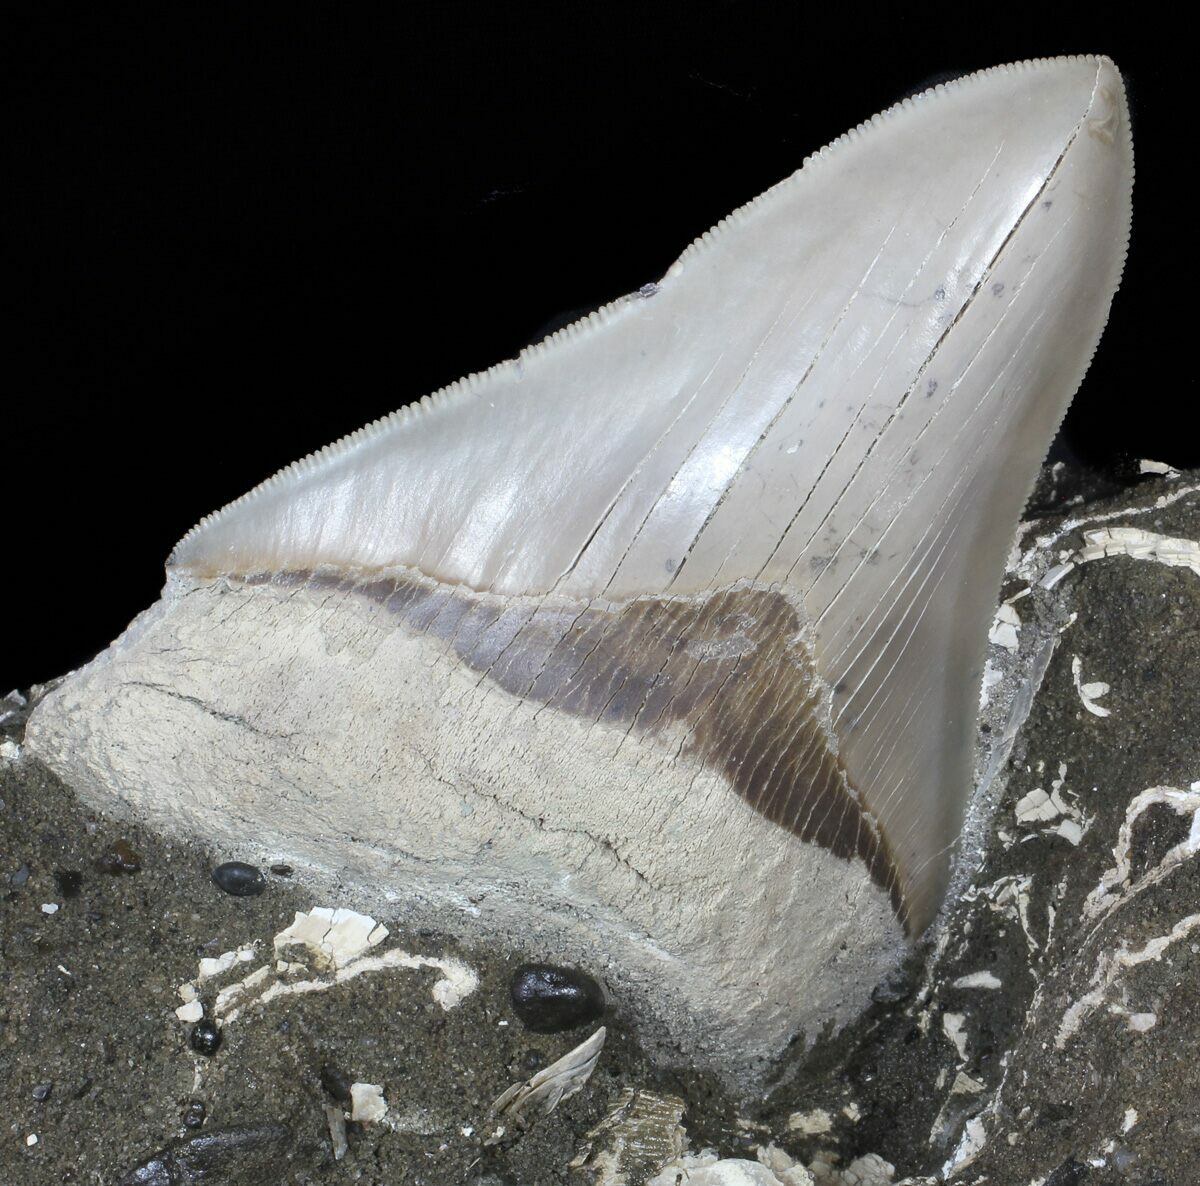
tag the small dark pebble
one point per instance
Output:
(1054, 1112)
(1070, 1173)
(336, 1082)
(205, 1037)
(119, 857)
(21, 876)
(282, 870)
(239, 879)
(69, 882)
(42, 1091)
(222, 1156)
(534, 1060)
(549, 999)
(194, 1115)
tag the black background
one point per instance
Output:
(238, 235)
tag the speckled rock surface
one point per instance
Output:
(87, 1000)
(1046, 1033)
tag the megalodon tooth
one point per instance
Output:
(658, 649)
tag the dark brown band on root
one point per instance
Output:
(731, 672)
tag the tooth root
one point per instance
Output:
(688, 604)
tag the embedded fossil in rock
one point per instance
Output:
(659, 648)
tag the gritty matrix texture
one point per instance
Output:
(1044, 1034)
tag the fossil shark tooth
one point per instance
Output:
(659, 647)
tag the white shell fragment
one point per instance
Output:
(336, 1120)
(1141, 545)
(1057, 807)
(331, 938)
(209, 967)
(539, 1096)
(1091, 691)
(1110, 969)
(953, 1025)
(1147, 466)
(812, 1123)
(367, 1103)
(1005, 628)
(1117, 885)
(191, 1011)
(775, 1168)
(706, 1169)
(323, 947)
(663, 642)
(641, 1132)
(970, 1145)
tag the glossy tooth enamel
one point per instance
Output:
(659, 648)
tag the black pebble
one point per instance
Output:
(336, 1082)
(206, 1038)
(194, 1114)
(549, 999)
(42, 1091)
(282, 870)
(69, 882)
(239, 879)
